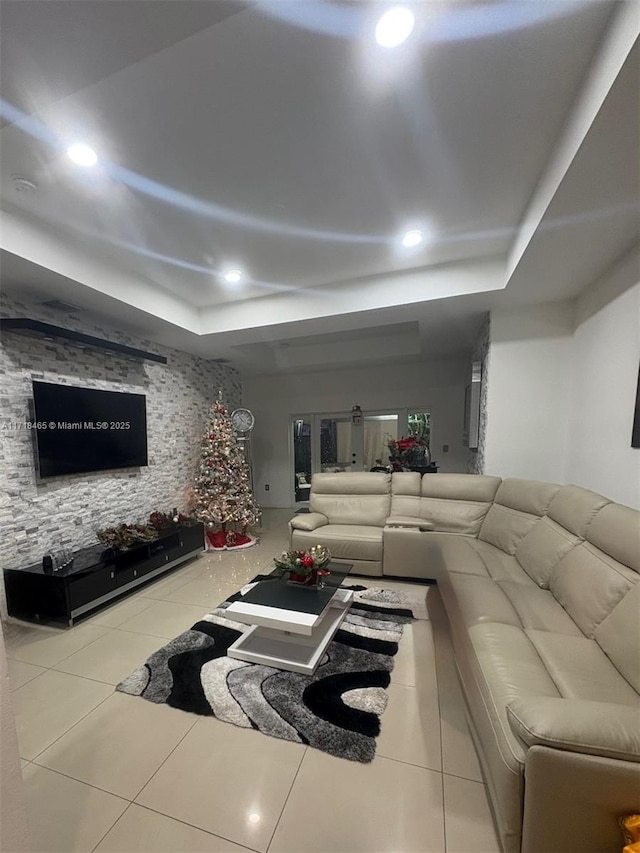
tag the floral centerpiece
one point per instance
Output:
(408, 452)
(304, 566)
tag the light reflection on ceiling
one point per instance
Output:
(458, 22)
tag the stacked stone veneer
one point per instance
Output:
(475, 461)
(36, 515)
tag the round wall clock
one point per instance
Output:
(242, 420)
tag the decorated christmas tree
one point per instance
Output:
(222, 496)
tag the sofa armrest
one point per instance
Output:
(578, 725)
(407, 521)
(308, 521)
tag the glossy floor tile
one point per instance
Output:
(410, 730)
(467, 817)
(21, 673)
(414, 664)
(50, 705)
(164, 619)
(66, 815)
(120, 745)
(141, 830)
(233, 782)
(205, 594)
(385, 806)
(46, 646)
(201, 785)
(111, 658)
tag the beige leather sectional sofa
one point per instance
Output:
(540, 583)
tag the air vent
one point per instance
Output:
(24, 185)
(59, 305)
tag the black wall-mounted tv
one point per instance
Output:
(83, 429)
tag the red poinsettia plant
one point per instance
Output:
(303, 562)
(405, 452)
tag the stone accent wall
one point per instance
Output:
(475, 462)
(36, 515)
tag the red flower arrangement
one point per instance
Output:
(303, 562)
(405, 452)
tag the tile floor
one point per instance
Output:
(115, 774)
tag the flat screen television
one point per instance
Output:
(83, 429)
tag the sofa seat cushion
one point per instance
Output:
(581, 670)
(538, 609)
(454, 552)
(509, 667)
(498, 565)
(480, 599)
(345, 541)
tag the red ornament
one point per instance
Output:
(210, 463)
(307, 561)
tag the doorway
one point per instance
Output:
(330, 441)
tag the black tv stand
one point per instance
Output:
(97, 576)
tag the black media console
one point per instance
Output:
(97, 576)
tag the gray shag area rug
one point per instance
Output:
(336, 710)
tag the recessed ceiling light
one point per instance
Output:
(82, 155)
(233, 276)
(395, 26)
(412, 238)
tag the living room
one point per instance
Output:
(526, 263)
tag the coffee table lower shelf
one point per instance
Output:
(293, 651)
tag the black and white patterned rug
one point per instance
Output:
(336, 710)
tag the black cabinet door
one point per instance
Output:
(87, 586)
(37, 597)
(164, 551)
(192, 537)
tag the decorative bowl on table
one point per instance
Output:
(304, 568)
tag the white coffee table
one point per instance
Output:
(292, 637)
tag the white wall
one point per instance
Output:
(436, 386)
(604, 374)
(562, 388)
(528, 391)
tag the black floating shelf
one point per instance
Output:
(34, 327)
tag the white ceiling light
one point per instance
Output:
(412, 238)
(395, 26)
(233, 276)
(82, 155)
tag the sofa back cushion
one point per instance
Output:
(618, 635)
(352, 498)
(575, 508)
(517, 506)
(453, 503)
(616, 530)
(589, 582)
(540, 550)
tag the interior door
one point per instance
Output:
(339, 442)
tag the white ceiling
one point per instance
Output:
(298, 150)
